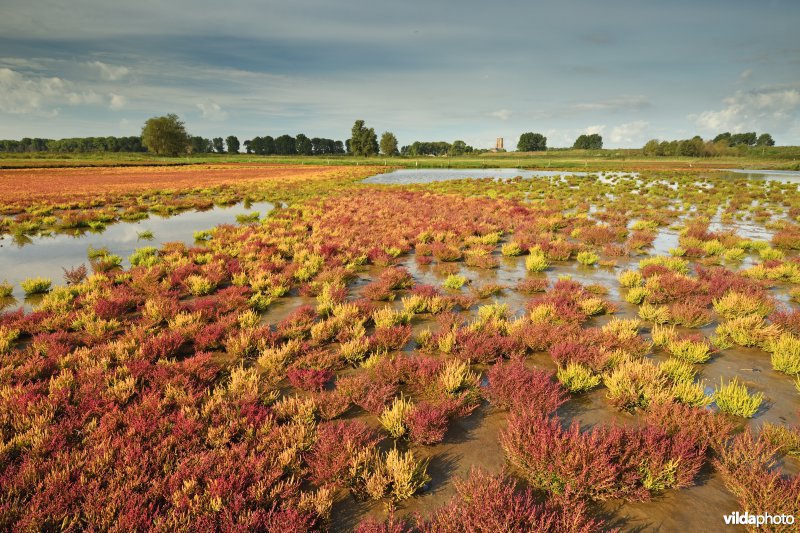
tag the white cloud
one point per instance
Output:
(630, 134)
(110, 72)
(620, 103)
(23, 94)
(502, 114)
(117, 101)
(212, 111)
(745, 75)
(594, 129)
(775, 109)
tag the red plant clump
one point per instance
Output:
(299, 323)
(597, 234)
(615, 250)
(532, 285)
(377, 291)
(789, 320)
(720, 281)
(748, 468)
(704, 427)
(162, 346)
(575, 351)
(671, 288)
(331, 404)
(513, 386)
(539, 337)
(396, 278)
(601, 464)
(690, 313)
(210, 337)
(370, 393)
(309, 379)
(445, 253)
(787, 237)
(427, 422)
(559, 250)
(334, 448)
(487, 503)
(390, 337)
(485, 348)
(426, 291)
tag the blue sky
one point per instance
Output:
(426, 70)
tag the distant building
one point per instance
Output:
(498, 145)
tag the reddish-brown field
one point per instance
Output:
(36, 184)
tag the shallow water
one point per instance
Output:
(786, 176)
(45, 256)
(429, 175)
(409, 176)
(474, 441)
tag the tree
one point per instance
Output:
(651, 148)
(218, 145)
(532, 142)
(233, 144)
(165, 135)
(285, 145)
(765, 139)
(200, 145)
(589, 142)
(723, 138)
(363, 140)
(748, 139)
(388, 143)
(303, 145)
(459, 148)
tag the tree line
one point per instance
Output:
(722, 144)
(73, 145)
(437, 148)
(166, 135)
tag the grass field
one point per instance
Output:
(778, 158)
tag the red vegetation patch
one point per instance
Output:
(603, 463)
(513, 386)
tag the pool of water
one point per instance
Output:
(788, 176)
(428, 175)
(409, 176)
(45, 256)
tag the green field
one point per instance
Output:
(775, 158)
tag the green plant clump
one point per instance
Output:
(36, 286)
(735, 399)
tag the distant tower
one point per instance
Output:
(498, 145)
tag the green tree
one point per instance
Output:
(765, 139)
(652, 147)
(747, 138)
(218, 145)
(532, 142)
(388, 144)
(363, 140)
(303, 145)
(589, 142)
(165, 135)
(200, 145)
(723, 138)
(285, 145)
(233, 144)
(459, 147)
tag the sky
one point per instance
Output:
(428, 70)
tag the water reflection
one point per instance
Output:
(45, 256)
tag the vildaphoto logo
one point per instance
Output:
(748, 519)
